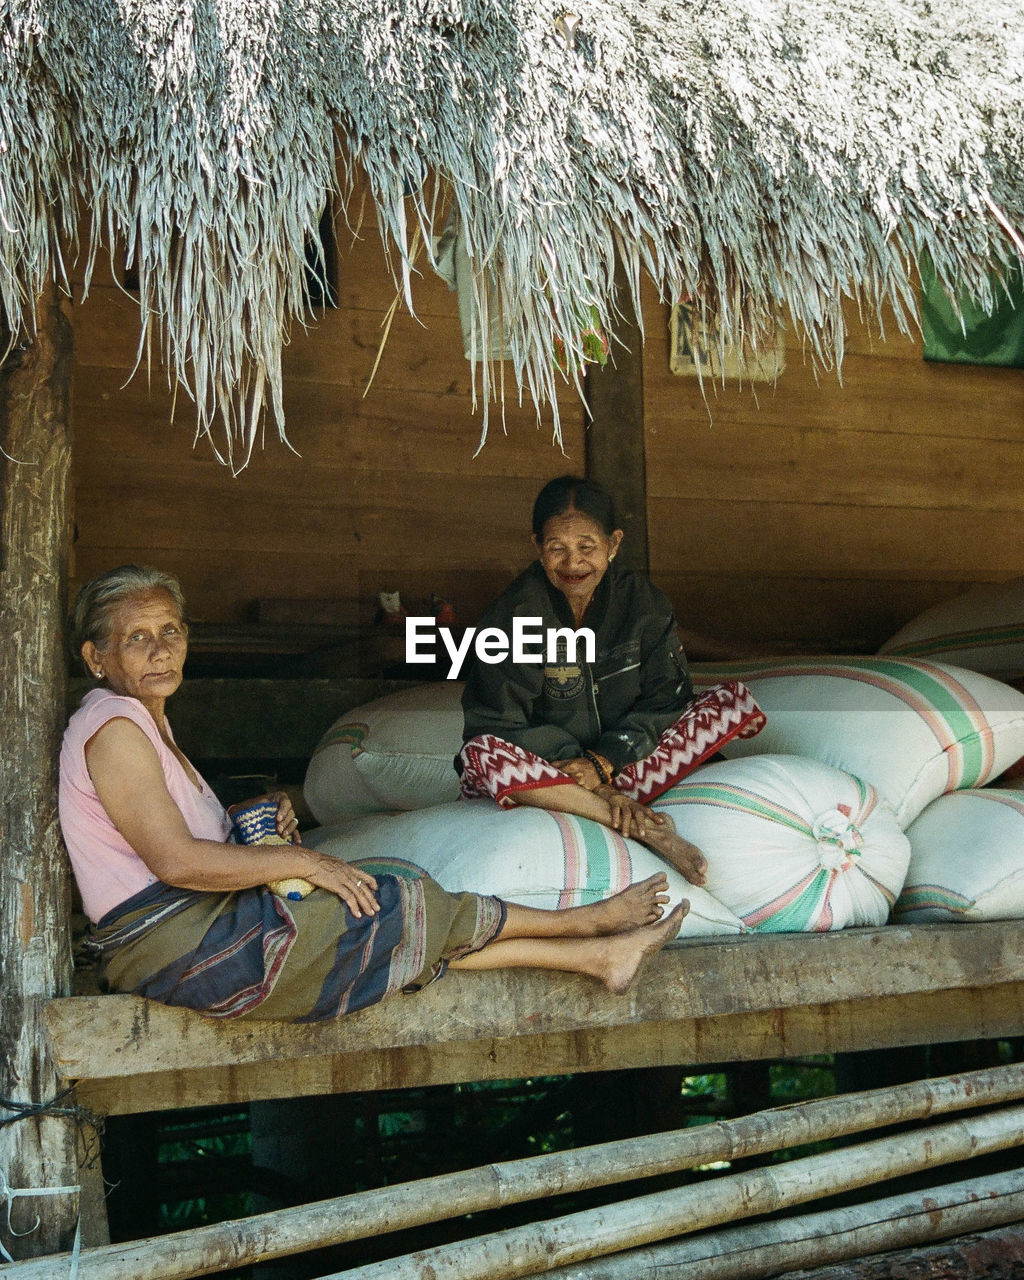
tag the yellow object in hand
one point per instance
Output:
(255, 824)
(295, 888)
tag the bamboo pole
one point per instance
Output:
(559, 1242)
(223, 1245)
(763, 1249)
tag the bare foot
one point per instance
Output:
(680, 853)
(638, 904)
(627, 951)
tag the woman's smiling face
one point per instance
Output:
(574, 553)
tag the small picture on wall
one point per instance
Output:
(692, 351)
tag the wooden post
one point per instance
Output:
(35, 934)
(616, 456)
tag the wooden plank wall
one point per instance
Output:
(817, 515)
(823, 515)
(381, 493)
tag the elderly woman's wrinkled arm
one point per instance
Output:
(130, 784)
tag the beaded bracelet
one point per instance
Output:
(604, 774)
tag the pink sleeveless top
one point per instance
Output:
(107, 868)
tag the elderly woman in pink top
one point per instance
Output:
(184, 916)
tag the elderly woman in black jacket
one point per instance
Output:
(598, 735)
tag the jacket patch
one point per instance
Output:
(565, 681)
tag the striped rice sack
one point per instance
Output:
(967, 859)
(983, 630)
(394, 753)
(528, 856)
(912, 729)
(793, 846)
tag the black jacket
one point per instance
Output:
(619, 705)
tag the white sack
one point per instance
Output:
(394, 753)
(912, 729)
(983, 629)
(967, 860)
(528, 856)
(792, 845)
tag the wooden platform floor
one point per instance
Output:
(697, 1002)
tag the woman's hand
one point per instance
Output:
(629, 817)
(353, 885)
(581, 771)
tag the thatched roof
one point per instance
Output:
(762, 155)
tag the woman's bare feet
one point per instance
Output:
(680, 853)
(627, 951)
(636, 905)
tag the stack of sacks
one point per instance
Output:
(394, 753)
(967, 860)
(528, 856)
(912, 729)
(983, 630)
(792, 845)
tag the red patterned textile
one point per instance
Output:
(493, 767)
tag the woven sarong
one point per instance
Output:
(252, 953)
(496, 768)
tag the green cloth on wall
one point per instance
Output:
(996, 339)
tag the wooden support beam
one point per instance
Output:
(932, 1018)
(615, 449)
(737, 999)
(126, 1035)
(35, 929)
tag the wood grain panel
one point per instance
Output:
(898, 397)
(926, 1018)
(748, 611)
(366, 514)
(822, 541)
(699, 979)
(411, 431)
(820, 513)
(222, 585)
(818, 465)
(882, 387)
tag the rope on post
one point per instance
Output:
(284, 1232)
(9, 1194)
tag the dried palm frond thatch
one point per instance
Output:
(761, 156)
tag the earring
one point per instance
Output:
(98, 673)
(612, 555)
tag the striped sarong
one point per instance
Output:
(493, 767)
(252, 953)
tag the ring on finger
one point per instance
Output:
(359, 884)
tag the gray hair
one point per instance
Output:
(94, 606)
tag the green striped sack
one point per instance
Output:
(524, 855)
(393, 753)
(967, 858)
(983, 629)
(793, 846)
(912, 729)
